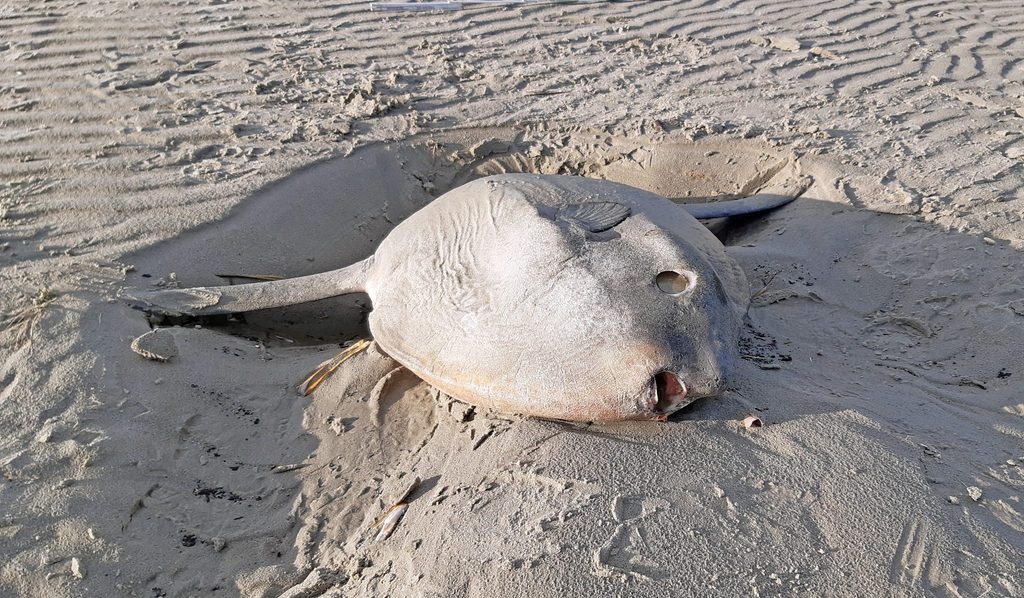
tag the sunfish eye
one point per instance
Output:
(675, 283)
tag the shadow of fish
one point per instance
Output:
(554, 296)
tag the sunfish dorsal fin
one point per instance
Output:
(596, 216)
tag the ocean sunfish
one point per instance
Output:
(553, 296)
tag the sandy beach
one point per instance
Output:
(153, 145)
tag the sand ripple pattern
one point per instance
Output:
(175, 113)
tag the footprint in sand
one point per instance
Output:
(622, 554)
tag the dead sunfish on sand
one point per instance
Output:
(553, 296)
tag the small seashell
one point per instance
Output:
(155, 345)
(752, 421)
(389, 521)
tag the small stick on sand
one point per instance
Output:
(764, 284)
(325, 369)
(259, 277)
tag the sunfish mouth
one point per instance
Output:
(671, 394)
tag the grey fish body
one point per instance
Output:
(554, 296)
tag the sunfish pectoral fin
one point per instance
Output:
(596, 216)
(208, 301)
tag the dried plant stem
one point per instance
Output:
(21, 322)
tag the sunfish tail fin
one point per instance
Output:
(209, 301)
